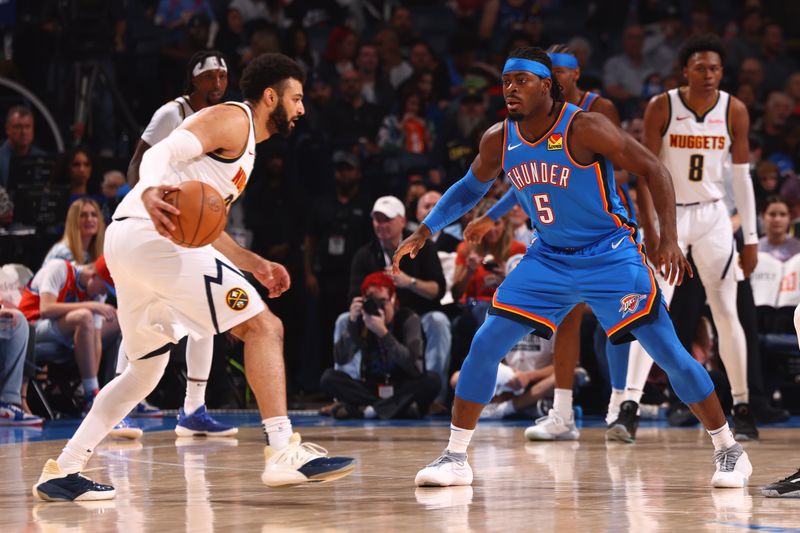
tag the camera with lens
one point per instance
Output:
(372, 306)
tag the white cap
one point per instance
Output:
(391, 206)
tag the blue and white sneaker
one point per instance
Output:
(56, 486)
(200, 423)
(145, 410)
(126, 429)
(303, 462)
(11, 415)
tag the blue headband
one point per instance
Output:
(534, 67)
(564, 60)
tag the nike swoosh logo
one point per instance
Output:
(683, 118)
(515, 146)
(616, 244)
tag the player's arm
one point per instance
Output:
(220, 128)
(606, 107)
(461, 196)
(476, 229)
(136, 161)
(594, 133)
(656, 115)
(271, 275)
(743, 186)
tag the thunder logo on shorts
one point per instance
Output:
(237, 299)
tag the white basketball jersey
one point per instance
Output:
(166, 118)
(227, 175)
(694, 148)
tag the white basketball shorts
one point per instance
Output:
(166, 291)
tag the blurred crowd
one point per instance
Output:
(397, 96)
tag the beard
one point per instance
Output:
(516, 116)
(278, 121)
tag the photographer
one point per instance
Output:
(388, 340)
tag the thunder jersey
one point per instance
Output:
(570, 205)
(227, 175)
(694, 148)
(587, 100)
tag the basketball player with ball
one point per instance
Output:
(167, 291)
(206, 83)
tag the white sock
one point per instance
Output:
(278, 430)
(459, 439)
(617, 397)
(369, 412)
(562, 403)
(722, 438)
(195, 395)
(743, 397)
(90, 385)
(633, 395)
(73, 458)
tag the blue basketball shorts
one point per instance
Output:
(611, 276)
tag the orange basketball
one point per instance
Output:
(203, 214)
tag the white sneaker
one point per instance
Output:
(448, 470)
(300, 462)
(553, 427)
(492, 411)
(733, 468)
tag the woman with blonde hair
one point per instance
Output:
(84, 232)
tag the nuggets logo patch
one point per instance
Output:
(555, 142)
(237, 299)
(630, 303)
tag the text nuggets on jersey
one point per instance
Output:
(697, 142)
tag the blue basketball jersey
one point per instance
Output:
(587, 100)
(570, 205)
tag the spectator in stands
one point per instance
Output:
(19, 139)
(771, 129)
(480, 268)
(77, 169)
(778, 65)
(423, 60)
(525, 379)
(446, 240)
(84, 233)
(406, 136)
(231, 40)
(457, 144)
(751, 71)
(662, 45)
(264, 39)
(113, 188)
(777, 242)
(354, 121)
(624, 74)
(340, 54)
(176, 14)
(272, 12)
(298, 47)
(420, 284)
(400, 22)
(767, 184)
(65, 304)
(388, 337)
(375, 88)
(747, 42)
(338, 225)
(792, 89)
(14, 338)
(395, 67)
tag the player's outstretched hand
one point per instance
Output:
(157, 208)
(476, 229)
(274, 277)
(410, 246)
(748, 259)
(671, 262)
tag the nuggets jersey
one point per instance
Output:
(166, 118)
(570, 205)
(227, 175)
(694, 148)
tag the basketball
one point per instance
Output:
(203, 214)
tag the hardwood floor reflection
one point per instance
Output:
(659, 484)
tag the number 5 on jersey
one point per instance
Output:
(542, 202)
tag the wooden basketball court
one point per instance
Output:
(659, 484)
